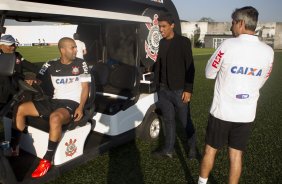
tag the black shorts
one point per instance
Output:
(235, 135)
(46, 107)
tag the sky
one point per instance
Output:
(221, 10)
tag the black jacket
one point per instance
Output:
(8, 84)
(180, 64)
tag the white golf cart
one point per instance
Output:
(122, 40)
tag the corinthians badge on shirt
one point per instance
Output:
(75, 70)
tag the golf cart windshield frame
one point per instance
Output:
(20, 10)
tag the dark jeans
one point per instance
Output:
(170, 103)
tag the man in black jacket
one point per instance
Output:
(174, 76)
(9, 84)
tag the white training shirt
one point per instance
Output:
(80, 47)
(241, 66)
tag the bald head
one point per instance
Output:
(67, 48)
(63, 42)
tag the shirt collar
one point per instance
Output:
(248, 37)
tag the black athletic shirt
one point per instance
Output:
(66, 79)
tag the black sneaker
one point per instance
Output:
(162, 154)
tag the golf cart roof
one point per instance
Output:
(28, 11)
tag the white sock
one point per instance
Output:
(202, 180)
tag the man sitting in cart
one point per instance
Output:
(70, 78)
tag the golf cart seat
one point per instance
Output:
(116, 87)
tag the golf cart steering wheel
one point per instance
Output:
(23, 86)
(26, 87)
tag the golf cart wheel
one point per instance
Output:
(151, 127)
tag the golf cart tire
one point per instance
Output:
(151, 127)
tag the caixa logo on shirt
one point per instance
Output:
(66, 80)
(246, 71)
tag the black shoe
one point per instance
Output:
(162, 154)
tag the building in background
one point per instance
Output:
(212, 34)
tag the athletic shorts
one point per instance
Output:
(46, 107)
(235, 135)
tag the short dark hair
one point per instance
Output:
(249, 14)
(76, 36)
(62, 41)
(166, 17)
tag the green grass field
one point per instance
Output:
(39, 54)
(132, 163)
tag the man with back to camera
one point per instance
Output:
(174, 76)
(241, 66)
(81, 48)
(70, 78)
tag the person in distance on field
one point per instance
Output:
(81, 48)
